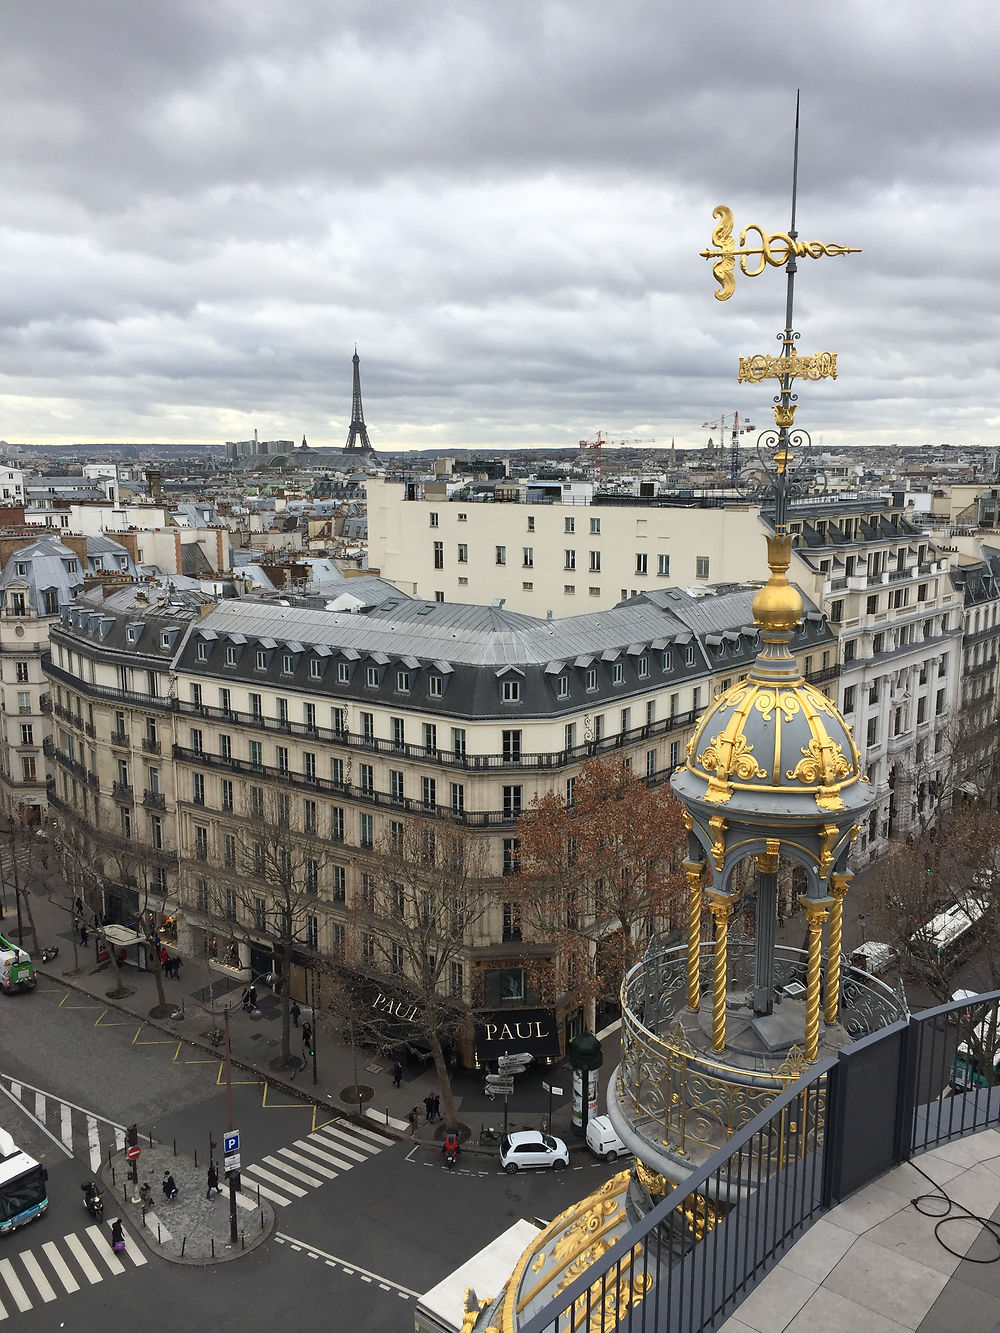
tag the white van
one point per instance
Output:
(874, 957)
(602, 1140)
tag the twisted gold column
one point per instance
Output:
(694, 871)
(817, 911)
(839, 884)
(720, 905)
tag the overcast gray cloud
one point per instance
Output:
(206, 205)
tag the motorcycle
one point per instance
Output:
(51, 952)
(450, 1150)
(92, 1200)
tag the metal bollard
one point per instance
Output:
(213, 1247)
(258, 1196)
(387, 1116)
(196, 1159)
(150, 1137)
(114, 1180)
(184, 1241)
(243, 1240)
(262, 1221)
(175, 1147)
(158, 1241)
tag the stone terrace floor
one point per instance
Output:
(874, 1264)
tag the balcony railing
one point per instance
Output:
(121, 791)
(120, 738)
(150, 745)
(154, 800)
(111, 842)
(455, 759)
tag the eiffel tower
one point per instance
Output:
(357, 437)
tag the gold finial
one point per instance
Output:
(777, 608)
(775, 248)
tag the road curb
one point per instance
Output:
(290, 1088)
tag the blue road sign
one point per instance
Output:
(231, 1141)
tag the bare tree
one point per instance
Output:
(427, 893)
(272, 888)
(83, 870)
(599, 877)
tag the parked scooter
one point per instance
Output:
(92, 1200)
(51, 952)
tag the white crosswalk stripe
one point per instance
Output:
(323, 1155)
(81, 1133)
(32, 1278)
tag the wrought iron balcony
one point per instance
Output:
(121, 791)
(120, 739)
(684, 1098)
(150, 745)
(154, 800)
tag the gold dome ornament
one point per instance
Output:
(777, 608)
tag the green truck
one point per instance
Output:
(17, 971)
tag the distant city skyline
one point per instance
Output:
(207, 207)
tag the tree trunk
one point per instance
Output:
(444, 1078)
(31, 921)
(284, 976)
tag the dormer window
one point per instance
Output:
(562, 687)
(435, 686)
(371, 677)
(230, 655)
(21, 570)
(403, 682)
(287, 664)
(642, 668)
(261, 660)
(315, 668)
(510, 691)
(343, 673)
(202, 652)
(689, 655)
(618, 673)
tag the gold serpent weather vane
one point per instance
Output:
(775, 248)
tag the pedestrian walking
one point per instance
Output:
(307, 1039)
(145, 1197)
(414, 1122)
(83, 934)
(213, 1180)
(437, 1107)
(177, 967)
(429, 1107)
(164, 959)
(397, 1074)
(295, 1012)
(117, 1236)
(169, 1187)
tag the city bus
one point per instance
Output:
(948, 937)
(23, 1193)
(17, 972)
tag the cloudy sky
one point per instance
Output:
(205, 205)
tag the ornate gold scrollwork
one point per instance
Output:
(760, 366)
(724, 756)
(651, 1181)
(774, 248)
(701, 1214)
(824, 763)
(828, 835)
(717, 825)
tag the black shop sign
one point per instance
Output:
(510, 1031)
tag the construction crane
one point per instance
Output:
(734, 448)
(601, 439)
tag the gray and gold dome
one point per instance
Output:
(773, 751)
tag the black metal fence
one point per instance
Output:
(685, 1267)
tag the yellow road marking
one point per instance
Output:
(99, 1022)
(162, 1041)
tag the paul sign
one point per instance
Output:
(506, 1031)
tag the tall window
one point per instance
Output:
(439, 555)
(641, 562)
(458, 742)
(701, 567)
(428, 793)
(457, 798)
(309, 816)
(512, 801)
(339, 884)
(501, 555)
(337, 824)
(367, 831)
(511, 742)
(663, 565)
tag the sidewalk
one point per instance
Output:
(256, 1042)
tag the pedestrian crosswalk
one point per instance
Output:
(289, 1173)
(80, 1133)
(43, 1273)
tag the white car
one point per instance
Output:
(602, 1140)
(529, 1148)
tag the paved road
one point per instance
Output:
(363, 1223)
